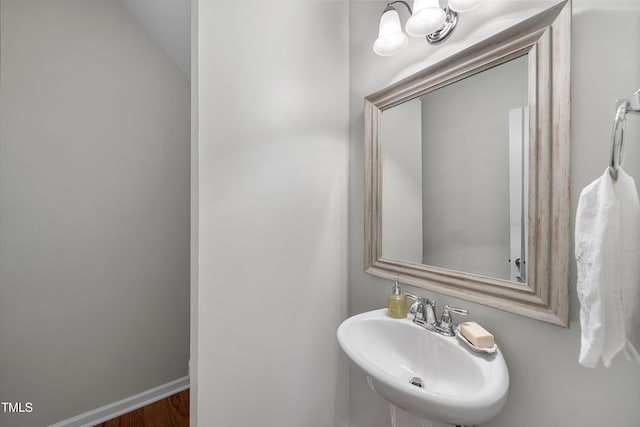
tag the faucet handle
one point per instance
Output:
(420, 309)
(414, 306)
(448, 309)
(417, 302)
(412, 296)
(446, 324)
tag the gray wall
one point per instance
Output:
(272, 216)
(94, 209)
(548, 386)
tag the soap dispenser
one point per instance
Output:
(397, 302)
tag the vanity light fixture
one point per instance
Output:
(427, 19)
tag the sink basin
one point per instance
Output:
(459, 386)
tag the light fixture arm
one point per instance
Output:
(400, 1)
(443, 32)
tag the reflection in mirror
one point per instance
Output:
(454, 175)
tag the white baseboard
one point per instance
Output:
(113, 410)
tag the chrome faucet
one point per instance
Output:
(424, 314)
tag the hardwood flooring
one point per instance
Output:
(172, 411)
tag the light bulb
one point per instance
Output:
(391, 40)
(465, 5)
(427, 17)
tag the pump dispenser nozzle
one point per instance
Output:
(396, 287)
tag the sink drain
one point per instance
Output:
(417, 382)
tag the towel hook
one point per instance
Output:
(617, 146)
(623, 107)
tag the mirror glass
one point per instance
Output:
(455, 169)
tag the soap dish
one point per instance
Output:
(462, 338)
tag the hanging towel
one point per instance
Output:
(627, 196)
(607, 249)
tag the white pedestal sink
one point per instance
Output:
(458, 386)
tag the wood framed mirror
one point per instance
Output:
(536, 282)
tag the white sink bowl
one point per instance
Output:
(460, 387)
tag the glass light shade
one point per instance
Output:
(465, 5)
(391, 40)
(427, 17)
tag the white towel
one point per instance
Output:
(627, 195)
(607, 249)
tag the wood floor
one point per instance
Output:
(172, 411)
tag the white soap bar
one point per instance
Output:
(477, 335)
